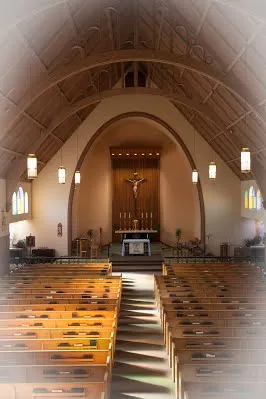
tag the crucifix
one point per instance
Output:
(135, 182)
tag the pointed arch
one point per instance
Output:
(20, 201)
(246, 200)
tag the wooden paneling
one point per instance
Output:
(148, 191)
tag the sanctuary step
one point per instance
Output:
(132, 263)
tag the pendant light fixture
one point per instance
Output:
(195, 173)
(245, 160)
(212, 168)
(77, 177)
(61, 172)
(32, 169)
(77, 173)
(195, 176)
(212, 171)
(245, 153)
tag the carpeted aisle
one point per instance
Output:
(141, 364)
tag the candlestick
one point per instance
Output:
(129, 221)
(125, 215)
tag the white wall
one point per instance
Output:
(222, 198)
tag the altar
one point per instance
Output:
(135, 234)
(136, 247)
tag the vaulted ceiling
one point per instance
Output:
(60, 58)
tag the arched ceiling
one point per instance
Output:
(60, 58)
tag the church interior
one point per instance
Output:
(132, 186)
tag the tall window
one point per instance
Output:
(26, 203)
(246, 201)
(252, 198)
(14, 204)
(259, 200)
(20, 201)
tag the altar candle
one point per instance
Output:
(120, 215)
(151, 214)
(146, 214)
(142, 215)
(125, 215)
(129, 215)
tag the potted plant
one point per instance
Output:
(21, 244)
(178, 234)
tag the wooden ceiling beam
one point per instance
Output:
(11, 152)
(43, 67)
(204, 16)
(107, 58)
(240, 54)
(18, 154)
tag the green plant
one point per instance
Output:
(21, 244)
(249, 242)
(178, 234)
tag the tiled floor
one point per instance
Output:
(141, 363)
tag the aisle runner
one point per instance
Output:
(141, 363)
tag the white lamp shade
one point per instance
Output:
(61, 175)
(212, 171)
(32, 166)
(245, 160)
(77, 177)
(195, 176)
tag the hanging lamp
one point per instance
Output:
(195, 176)
(61, 173)
(77, 177)
(32, 170)
(212, 171)
(245, 153)
(245, 160)
(195, 173)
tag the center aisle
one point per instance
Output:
(141, 364)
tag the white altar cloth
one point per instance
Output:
(136, 246)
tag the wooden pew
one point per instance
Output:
(57, 331)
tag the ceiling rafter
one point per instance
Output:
(119, 56)
(242, 51)
(204, 16)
